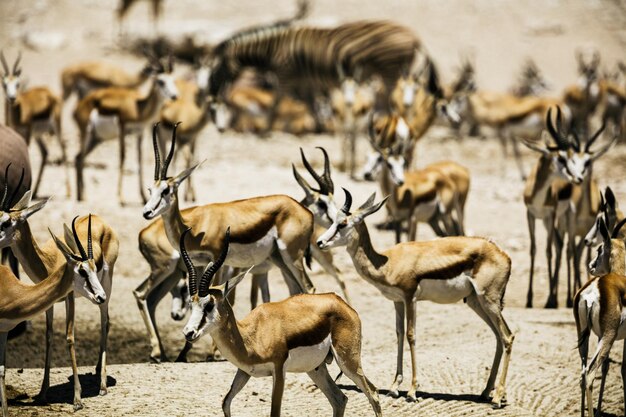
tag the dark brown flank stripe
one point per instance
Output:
(316, 334)
(450, 271)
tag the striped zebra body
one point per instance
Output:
(309, 56)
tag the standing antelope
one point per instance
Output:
(584, 203)
(21, 302)
(444, 270)
(599, 307)
(272, 228)
(38, 261)
(84, 77)
(299, 334)
(115, 112)
(33, 113)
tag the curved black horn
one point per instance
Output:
(157, 155)
(207, 276)
(16, 190)
(89, 242)
(556, 133)
(191, 270)
(348, 203)
(328, 181)
(300, 180)
(616, 229)
(83, 255)
(170, 155)
(593, 138)
(315, 175)
(4, 203)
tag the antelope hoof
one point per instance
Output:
(155, 358)
(393, 393)
(103, 391)
(78, 405)
(411, 397)
(551, 304)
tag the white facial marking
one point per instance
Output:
(402, 130)
(167, 86)
(408, 95)
(160, 199)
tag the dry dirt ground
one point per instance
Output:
(454, 347)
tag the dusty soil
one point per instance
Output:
(455, 348)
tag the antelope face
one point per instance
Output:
(8, 224)
(394, 163)
(456, 109)
(11, 85)
(11, 220)
(167, 86)
(206, 314)
(162, 194)
(601, 264)
(86, 281)
(323, 209)
(572, 166)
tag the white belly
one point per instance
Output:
(245, 255)
(105, 127)
(444, 291)
(425, 211)
(300, 359)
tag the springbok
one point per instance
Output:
(84, 77)
(444, 270)
(530, 81)
(115, 112)
(547, 194)
(599, 307)
(299, 334)
(20, 302)
(583, 97)
(33, 113)
(38, 261)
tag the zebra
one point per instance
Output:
(305, 60)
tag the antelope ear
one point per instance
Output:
(604, 231)
(185, 174)
(29, 211)
(363, 213)
(68, 237)
(610, 198)
(67, 253)
(231, 283)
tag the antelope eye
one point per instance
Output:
(82, 273)
(166, 191)
(160, 82)
(342, 225)
(209, 306)
(321, 205)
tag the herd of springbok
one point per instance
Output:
(367, 78)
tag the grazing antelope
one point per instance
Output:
(84, 77)
(21, 301)
(530, 81)
(584, 204)
(610, 213)
(115, 112)
(427, 195)
(599, 307)
(352, 103)
(37, 261)
(299, 334)
(33, 113)
(444, 270)
(276, 227)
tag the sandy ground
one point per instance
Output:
(455, 348)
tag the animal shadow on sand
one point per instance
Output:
(426, 395)
(64, 393)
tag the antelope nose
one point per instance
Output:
(100, 298)
(189, 334)
(367, 176)
(147, 214)
(320, 244)
(178, 316)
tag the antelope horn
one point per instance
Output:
(170, 155)
(157, 156)
(15, 191)
(81, 249)
(320, 181)
(326, 175)
(89, 242)
(4, 202)
(191, 270)
(556, 134)
(17, 63)
(348, 203)
(209, 272)
(5, 66)
(594, 137)
(301, 181)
